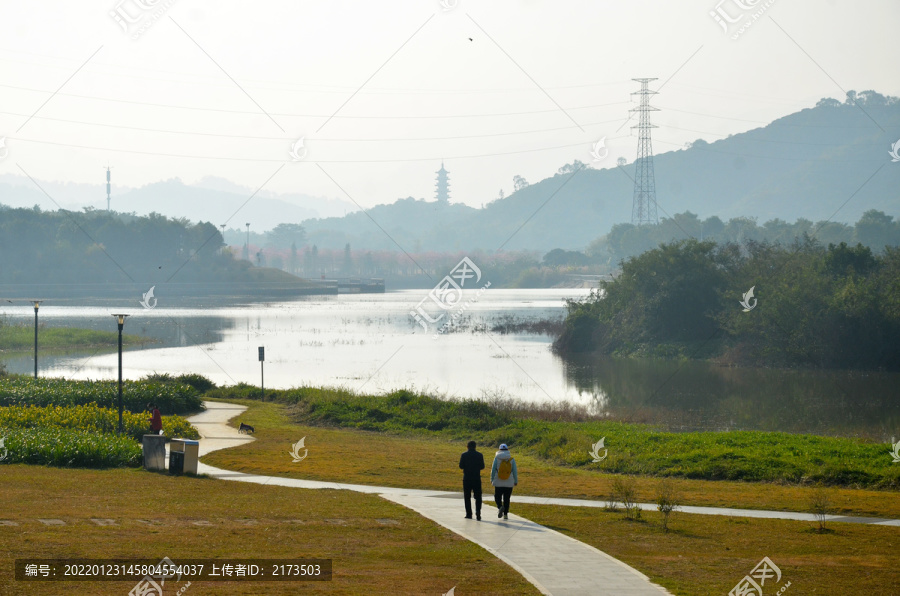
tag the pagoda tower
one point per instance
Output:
(442, 187)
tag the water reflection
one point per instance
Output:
(162, 328)
(702, 396)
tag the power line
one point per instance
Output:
(291, 140)
(403, 117)
(250, 159)
(193, 78)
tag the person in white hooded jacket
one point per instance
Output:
(504, 476)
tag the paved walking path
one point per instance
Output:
(553, 562)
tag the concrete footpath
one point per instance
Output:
(553, 562)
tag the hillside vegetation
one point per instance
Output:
(99, 247)
(802, 166)
(814, 306)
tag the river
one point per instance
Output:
(370, 343)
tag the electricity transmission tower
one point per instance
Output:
(643, 207)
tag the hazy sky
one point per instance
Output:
(381, 92)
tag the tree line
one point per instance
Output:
(874, 229)
(103, 247)
(812, 306)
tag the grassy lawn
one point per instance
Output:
(562, 435)
(20, 338)
(422, 462)
(377, 547)
(710, 554)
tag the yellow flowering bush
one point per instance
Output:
(92, 418)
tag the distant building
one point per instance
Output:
(442, 187)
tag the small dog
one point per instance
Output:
(246, 428)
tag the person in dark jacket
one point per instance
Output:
(472, 463)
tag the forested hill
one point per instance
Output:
(62, 247)
(806, 165)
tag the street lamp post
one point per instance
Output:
(120, 319)
(37, 305)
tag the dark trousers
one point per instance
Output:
(501, 497)
(469, 487)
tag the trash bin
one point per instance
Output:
(191, 456)
(184, 456)
(154, 447)
(176, 462)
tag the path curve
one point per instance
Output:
(553, 562)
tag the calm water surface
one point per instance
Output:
(371, 343)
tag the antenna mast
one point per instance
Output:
(108, 197)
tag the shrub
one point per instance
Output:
(611, 504)
(625, 490)
(69, 448)
(820, 505)
(170, 397)
(668, 500)
(200, 383)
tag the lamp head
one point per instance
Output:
(37, 304)
(120, 319)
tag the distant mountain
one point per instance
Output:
(319, 206)
(410, 224)
(215, 206)
(814, 164)
(212, 199)
(825, 163)
(19, 191)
